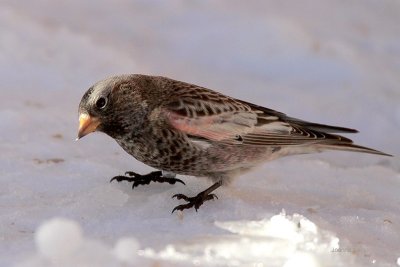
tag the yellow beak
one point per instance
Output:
(87, 125)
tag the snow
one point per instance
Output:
(126, 250)
(281, 240)
(58, 238)
(334, 62)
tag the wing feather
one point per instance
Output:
(204, 113)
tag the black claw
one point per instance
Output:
(181, 196)
(174, 180)
(138, 179)
(182, 207)
(198, 200)
(128, 173)
(195, 202)
(121, 178)
(213, 196)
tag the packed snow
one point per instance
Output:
(334, 62)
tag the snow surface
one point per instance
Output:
(330, 61)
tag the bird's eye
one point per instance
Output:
(101, 102)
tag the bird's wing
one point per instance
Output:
(310, 125)
(203, 113)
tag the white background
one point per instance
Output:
(334, 62)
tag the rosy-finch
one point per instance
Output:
(181, 128)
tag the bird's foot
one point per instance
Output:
(198, 200)
(195, 202)
(139, 179)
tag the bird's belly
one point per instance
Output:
(231, 157)
(198, 160)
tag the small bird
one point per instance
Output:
(181, 128)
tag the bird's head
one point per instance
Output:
(111, 106)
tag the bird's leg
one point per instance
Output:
(198, 200)
(138, 179)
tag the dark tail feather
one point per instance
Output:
(353, 148)
(310, 125)
(322, 127)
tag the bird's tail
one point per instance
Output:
(351, 147)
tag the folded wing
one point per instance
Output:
(206, 114)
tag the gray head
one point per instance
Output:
(112, 106)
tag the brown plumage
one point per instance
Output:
(181, 128)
